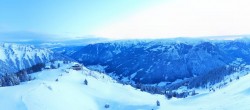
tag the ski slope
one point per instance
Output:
(70, 93)
(235, 96)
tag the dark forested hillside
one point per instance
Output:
(152, 62)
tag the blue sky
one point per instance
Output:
(121, 19)
(65, 17)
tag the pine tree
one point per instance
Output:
(58, 65)
(106, 106)
(237, 77)
(158, 103)
(169, 95)
(85, 82)
(193, 93)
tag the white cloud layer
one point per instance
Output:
(183, 18)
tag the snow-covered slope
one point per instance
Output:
(70, 92)
(17, 61)
(235, 96)
(18, 57)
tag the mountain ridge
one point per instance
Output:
(150, 62)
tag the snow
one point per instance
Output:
(70, 93)
(117, 51)
(97, 68)
(44, 93)
(232, 97)
(18, 54)
(2, 54)
(158, 49)
(133, 75)
(162, 83)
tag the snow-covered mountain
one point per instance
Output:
(14, 57)
(21, 57)
(140, 75)
(166, 61)
(65, 88)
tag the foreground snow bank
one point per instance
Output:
(64, 89)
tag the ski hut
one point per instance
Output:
(47, 67)
(77, 67)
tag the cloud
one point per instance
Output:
(183, 18)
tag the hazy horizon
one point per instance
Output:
(141, 19)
